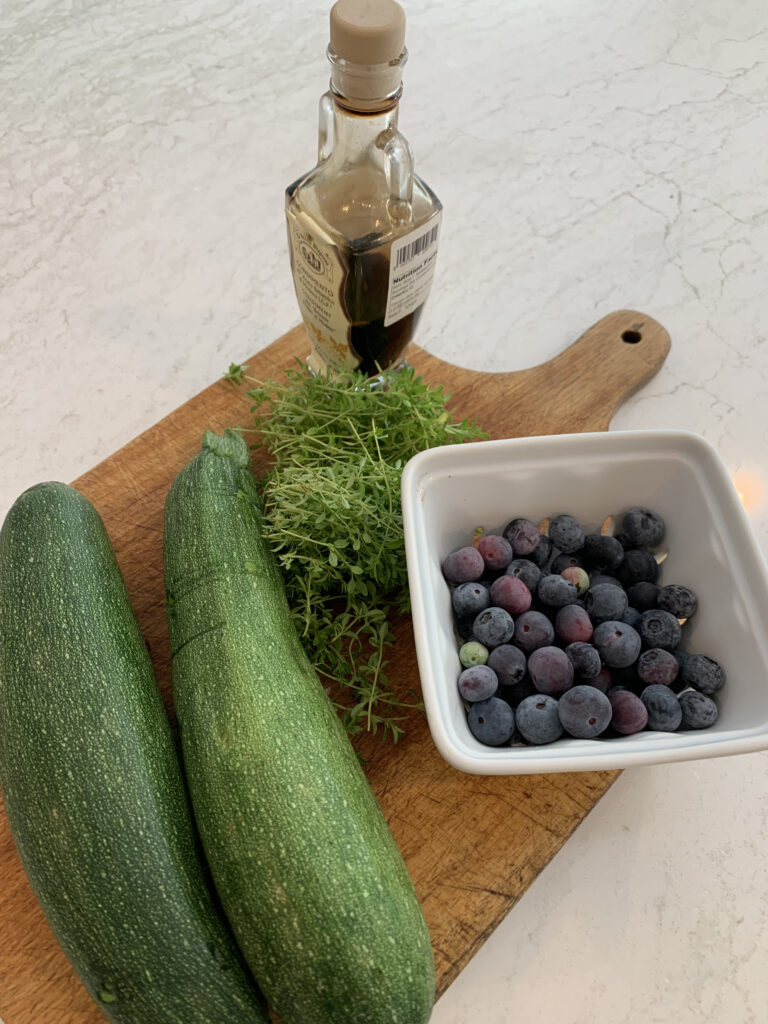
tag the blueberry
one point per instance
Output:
(526, 571)
(680, 601)
(657, 666)
(664, 711)
(555, 591)
(523, 536)
(637, 567)
(508, 663)
(551, 670)
(604, 602)
(578, 577)
(643, 595)
(473, 653)
(585, 660)
(681, 657)
(566, 534)
(532, 630)
(493, 627)
(617, 643)
(542, 553)
(495, 551)
(563, 561)
(644, 528)
(703, 673)
(469, 599)
(629, 714)
(584, 711)
(491, 721)
(602, 552)
(511, 594)
(572, 624)
(538, 720)
(632, 617)
(659, 629)
(699, 711)
(601, 577)
(478, 682)
(463, 566)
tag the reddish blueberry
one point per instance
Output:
(463, 566)
(495, 551)
(511, 594)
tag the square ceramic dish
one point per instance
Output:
(448, 492)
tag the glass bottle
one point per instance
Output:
(363, 229)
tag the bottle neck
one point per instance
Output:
(355, 131)
(366, 88)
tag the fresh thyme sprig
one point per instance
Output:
(333, 518)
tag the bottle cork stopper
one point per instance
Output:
(367, 31)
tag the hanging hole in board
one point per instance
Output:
(631, 337)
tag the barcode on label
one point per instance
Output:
(418, 245)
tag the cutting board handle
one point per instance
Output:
(614, 357)
(578, 390)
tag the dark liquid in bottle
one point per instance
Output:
(380, 346)
(365, 298)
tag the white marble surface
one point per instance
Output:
(590, 156)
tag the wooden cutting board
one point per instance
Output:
(473, 844)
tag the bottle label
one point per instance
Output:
(411, 269)
(319, 277)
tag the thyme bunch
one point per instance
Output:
(331, 501)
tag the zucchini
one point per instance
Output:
(308, 873)
(92, 782)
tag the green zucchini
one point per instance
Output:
(308, 873)
(92, 782)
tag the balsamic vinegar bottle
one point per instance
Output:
(363, 229)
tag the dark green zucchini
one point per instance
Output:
(308, 872)
(92, 783)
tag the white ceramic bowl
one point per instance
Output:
(449, 491)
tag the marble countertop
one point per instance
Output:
(590, 156)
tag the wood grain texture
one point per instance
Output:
(507, 828)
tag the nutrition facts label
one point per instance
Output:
(411, 270)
